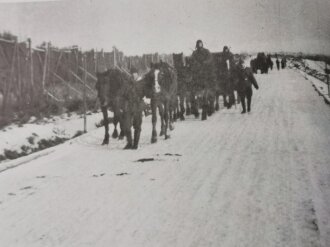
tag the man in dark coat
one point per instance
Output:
(203, 73)
(202, 66)
(244, 88)
(227, 65)
(278, 64)
(283, 62)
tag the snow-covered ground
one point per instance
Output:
(14, 137)
(315, 65)
(314, 71)
(260, 179)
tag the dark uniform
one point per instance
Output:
(202, 67)
(227, 66)
(204, 77)
(244, 88)
(278, 64)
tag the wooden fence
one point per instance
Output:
(30, 77)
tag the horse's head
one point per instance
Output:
(102, 86)
(156, 76)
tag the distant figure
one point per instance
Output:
(244, 88)
(278, 64)
(283, 63)
(270, 62)
(227, 65)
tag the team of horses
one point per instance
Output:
(174, 91)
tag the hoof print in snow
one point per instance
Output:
(40, 176)
(152, 179)
(122, 174)
(169, 154)
(145, 160)
(314, 226)
(100, 175)
(11, 194)
(26, 188)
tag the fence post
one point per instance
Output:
(327, 75)
(45, 68)
(84, 92)
(114, 57)
(31, 70)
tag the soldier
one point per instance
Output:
(203, 78)
(244, 88)
(283, 63)
(278, 64)
(227, 67)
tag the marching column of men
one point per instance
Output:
(203, 71)
(234, 77)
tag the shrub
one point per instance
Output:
(11, 154)
(31, 139)
(78, 133)
(44, 143)
(2, 157)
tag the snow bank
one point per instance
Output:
(26, 138)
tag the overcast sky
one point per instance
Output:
(166, 26)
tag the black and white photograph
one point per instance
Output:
(164, 123)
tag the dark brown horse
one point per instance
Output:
(184, 83)
(118, 92)
(203, 86)
(161, 87)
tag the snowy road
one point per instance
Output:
(258, 180)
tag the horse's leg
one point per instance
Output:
(171, 120)
(204, 106)
(182, 109)
(211, 99)
(161, 114)
(166, 118)
(137, 123)
(122, 126)
(127, 122)
(173, 107)
(188, 105)
(115, 123)
(194, 106)
(153, 104)
(225, 103)
(217, 106)
(106, 125)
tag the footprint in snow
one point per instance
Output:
(145, 160)
(122, 174)
(169, 154)
(26, 188)
(100, 175)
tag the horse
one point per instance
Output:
(184, 83)
(203, 88)
(225, 79)
(122, 95)
(161, 87)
